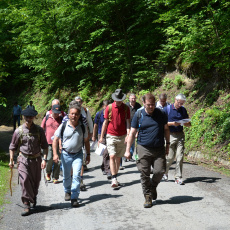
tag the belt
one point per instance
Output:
(177, 133)
(30, 156)
(70, 153)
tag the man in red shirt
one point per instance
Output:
(50, 123)
(117, 124)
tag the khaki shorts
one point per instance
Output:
(116, 145)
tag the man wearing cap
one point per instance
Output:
(56, 102)
(50, 123)
(176, 112)
(29, 139)
(117, 124)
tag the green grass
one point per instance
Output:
(4, 178)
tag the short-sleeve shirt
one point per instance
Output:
(117, 125)
(50, 126)
(32, 142)
(99, 120)
(72, 137)
(133, 109)
(176, 115)
(151, 131)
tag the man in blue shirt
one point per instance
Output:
(151, 150)
(176, 112)
(16, 114)
(98, 122)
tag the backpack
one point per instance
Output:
(99, 115)
(21, 134)
(63, 129)
(110, 111)
(139, 117)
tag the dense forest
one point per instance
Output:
(61, 48)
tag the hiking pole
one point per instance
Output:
(11, 175)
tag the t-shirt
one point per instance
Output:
(99, 120)
(117, 125)
(133, 109)
(151, 131)
(176, 115)
(72, 137)
(50, 126)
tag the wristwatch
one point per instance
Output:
(44, 159)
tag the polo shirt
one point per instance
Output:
(99, 120)
(133, 109)
(72, 137)
(50, 126)
(176, 115)
(151, 131)
(117, 125)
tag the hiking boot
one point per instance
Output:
(74, 203)
(131, 160)
(82, 186)
(114, 183)
(67, 196)
(165, 177)
(179, 181)
(154, 193)
(148, 201)
(26, 211)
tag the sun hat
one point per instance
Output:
(118, 95)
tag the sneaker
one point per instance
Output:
(82, 186)
(148, 201)
(165, 177)
(104, 173)
(74, 203)
(132, 160)
(48, 178)
(55, 181)
(67, 196)
(179, 181)
(122, 168)
(85, 168)
(114, 183)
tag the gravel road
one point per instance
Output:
(202, 203)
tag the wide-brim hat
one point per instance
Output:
(118, 95)
(56, 109)
(29, 112)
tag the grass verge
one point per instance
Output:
(4, 178)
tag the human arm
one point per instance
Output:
(128, 129)
(95, 128)
(130, 139)
(55, 147)
(167, 138)
(103, 130)
(44, 159)
(11, 164)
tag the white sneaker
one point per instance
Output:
(179, 181)
(165, 177)
(114, 183)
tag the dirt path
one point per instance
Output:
(202, 203)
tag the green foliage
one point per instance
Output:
(167, 83)
(178, 81)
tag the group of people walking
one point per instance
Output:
(155, 129)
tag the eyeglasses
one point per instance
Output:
(150, 105)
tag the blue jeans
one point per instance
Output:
(70, 161)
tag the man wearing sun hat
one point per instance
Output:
(117, 124)
(50, 124)
(29, 139)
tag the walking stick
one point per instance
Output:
(11, 175)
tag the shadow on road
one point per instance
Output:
(179, 200)
(96, 198)
(201, 179)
